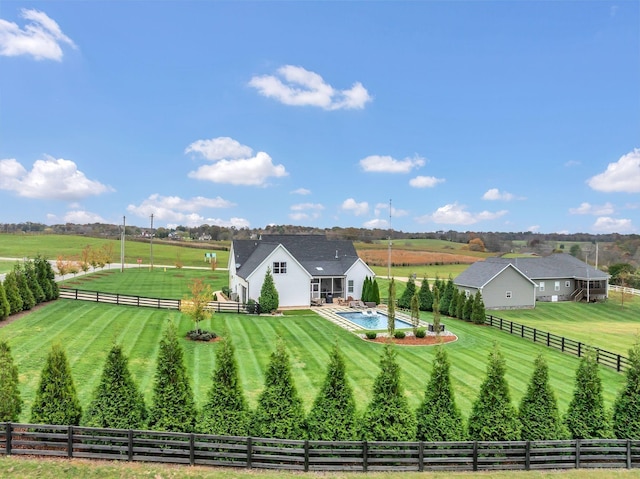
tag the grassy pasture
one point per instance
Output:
(70, 247)
(87, 331)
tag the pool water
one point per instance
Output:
(372, 321)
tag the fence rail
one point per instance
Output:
(158, 303)
(624, 289)
(566, 345)
(282, 454)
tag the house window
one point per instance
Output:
(350, 286)
(541, 286)
(556, 286)
(508, 295)
(467, 293)
(567, 284)
(279, 267)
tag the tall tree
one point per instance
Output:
(117, 402)
(333, 415)
(391, 309)
(28, 299)
(626, 409)
(269, 299)
(436, 310)
(462, 300)
(453, 304)
(56, 400)
(32, 280)
(376, 292)
(10, 400)
(478, 314)
(173, 407)
(493, 417)
(46, 278)
(438, 416)
(388, 416)
(196, 306)
(5, 308)
(13, 292)
(538, 411)
(279, 413)
(366, 289)
(405, 299)
(468, 308)
(415, 312)
(445, 296)
(426, 298)
(226, 412)
(586, 417)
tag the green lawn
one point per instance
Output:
(606, 325)
(87, 330)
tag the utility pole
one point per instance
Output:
(122, 244)
(151, 244)
(390, 237)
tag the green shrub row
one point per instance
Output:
(26, 285)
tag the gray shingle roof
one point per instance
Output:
(555, 266)
(334, 257)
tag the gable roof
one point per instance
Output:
(318, 255)
(555, 266)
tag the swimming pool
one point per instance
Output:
(372, 321)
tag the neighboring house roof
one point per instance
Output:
(555, 266)
(318, 255)
(479, 276)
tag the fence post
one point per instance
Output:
(562, 349)
(249, 452)
(475, 455)
(579, 349)
(527, 456)
(618, 364)
(548, 338)
(577, 453)
(534, 335)
(70, 441)
(421, 456)
(192, 449)
(500, 324)
(8, 431)
(130, 445)
(306, 456)
(628, 453)
(365, 452)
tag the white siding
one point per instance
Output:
(358, 272)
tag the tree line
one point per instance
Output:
(118, 403)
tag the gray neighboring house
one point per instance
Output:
(305, 269)
(515, 283)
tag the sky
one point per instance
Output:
(414, 116)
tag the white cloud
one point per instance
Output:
(302, 87)
(41, 37)
(388, 164)
(621, 176)
(384, 208)
(571, 163)
(49, 179)
(358, 209)
(455, 214)
(495, 194)
(425, 181)
(589, 209)
(80, 217)
(233, 163)
(376, 223)
(219, 148)
(178, 210)
(301, 191)
(306, 211)
(196, 220)
(606, 224)
(533, 228)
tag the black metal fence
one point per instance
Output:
(158, 303)
(263, 453)
(566, 345)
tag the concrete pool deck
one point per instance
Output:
(330, 313)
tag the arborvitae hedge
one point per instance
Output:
(32, 280)
(376, 292)
(446, 294)
(586, 417)
(405, 300)
(453, 304)
(10, 400)
(117, 402)
(279, 413)
(226, 412)
(426, 298)
(538, 412)
(438, 417)
(467, 309)
(388, 416)
(493, 417)
(13, 292)
(478, 314)
(46, 278)
(173, 407)
(269, 299)
(333, 415)
(28, 300)
(56, 400)
(5, 309)
(626, 409)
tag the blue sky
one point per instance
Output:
(478, 115)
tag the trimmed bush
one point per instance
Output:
(333, 415)
(56, 400)
(13, 292)
(10, 400)
(426, 298)
(117, 402)
(371, 334)
(478, 314)
(421, 333)
(269, 299)
(279, 413)
(404, 301)
(438, 417)
(5, 309)
(201, 335)
(388, 416)
(28, 299)
(226, 412)
(626, 409)
(173, 407)
(399, 335)
(32, 280)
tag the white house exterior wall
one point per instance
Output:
(293, 286)
(357, 273)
